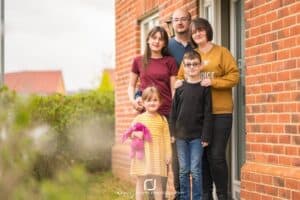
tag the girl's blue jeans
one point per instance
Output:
(190, 156)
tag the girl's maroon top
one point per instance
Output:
(157, 73)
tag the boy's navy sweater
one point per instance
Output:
(191, 113)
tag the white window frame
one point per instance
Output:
(147, 24)
(213, 17)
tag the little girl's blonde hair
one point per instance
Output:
(149, 92)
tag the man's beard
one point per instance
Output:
(182, 32)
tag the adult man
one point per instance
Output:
(177, 46)
(180, 44)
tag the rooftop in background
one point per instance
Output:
(36, 82)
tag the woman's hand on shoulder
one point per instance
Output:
(178, 83)
(206, 82)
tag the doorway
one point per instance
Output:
(227, 19)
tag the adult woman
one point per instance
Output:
(221, 73)
(154, 68)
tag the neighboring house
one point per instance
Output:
(264, 37)
(35, 82)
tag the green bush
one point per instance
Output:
(42, 137)
(82, 128)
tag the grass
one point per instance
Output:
(105, 186)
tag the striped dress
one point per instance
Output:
(156, 151)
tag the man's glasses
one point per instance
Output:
(190, 65)
(182, 19)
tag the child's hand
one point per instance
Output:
(204, 144)
(178, 83)
(137, 134)
(173, 139)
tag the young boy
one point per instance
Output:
(191, 125)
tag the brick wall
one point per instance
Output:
(272, 100)
(272, 90)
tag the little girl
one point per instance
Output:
(157, 152)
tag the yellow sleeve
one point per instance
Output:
(136, 119)
(180, 74)
(167, 139)
(231, 71)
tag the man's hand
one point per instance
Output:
(178, 83)
(204, 144)
(173, 139)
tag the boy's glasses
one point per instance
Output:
(190, 65)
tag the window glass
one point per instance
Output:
(146, 25)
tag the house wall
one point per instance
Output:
(272, 57)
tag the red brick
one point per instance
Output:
(284, 193)
(278, 108)
(285, 139)
(285, 118)
(292, 184)
(273, 159)
(278, 181)
(278, 149)
(267, 148)
(284, 160)
(271, 16)
(272, 139)
(295, 52)
(295, 30)
(261, 138)
(276, 25)
(296, 162)
(290, 85)
(296, 140)
(291, 150)
(295, 195)
(283, 54)
(291, 129)
(278, 128)
(289, 42)
(295, 8)
(275, 4)
(288, 21)
(271, 190)
(283, 12)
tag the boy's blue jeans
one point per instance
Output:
(190, 156)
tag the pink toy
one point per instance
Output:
(137, 144)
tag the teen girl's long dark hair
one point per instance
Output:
(164, 51)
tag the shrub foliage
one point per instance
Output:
(43, 136)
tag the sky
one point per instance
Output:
(75, 36)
